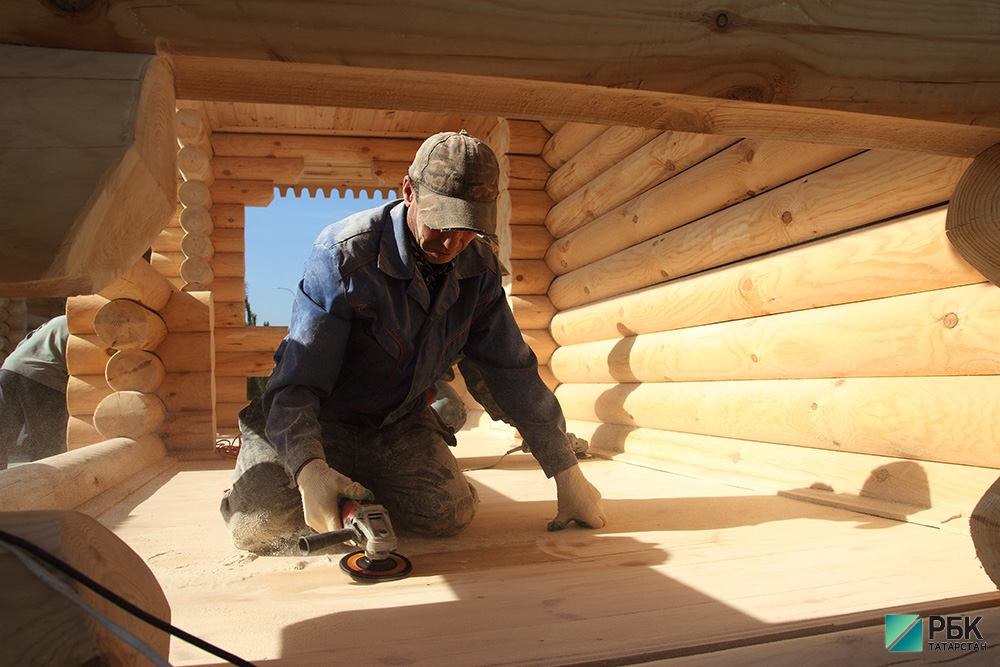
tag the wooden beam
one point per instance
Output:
(90, 172)
(871, 60)
(913, 418)
(32, 608)
(909, 254)
(662, 158)
(68, 480)
(974, 214)
(872, 187)
(292, 83)
(738, 173)
(942, 332)
(334, 149)
(611, 147)
(569, 140)
(277, 170)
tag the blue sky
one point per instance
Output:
(278, 240)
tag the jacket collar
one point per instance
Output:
(396, 254)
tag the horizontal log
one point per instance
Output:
(664, 157)
(129, 414)
(133, 370)
(224, 264)
(738, 173)
(228, 290)
(81, 310)
(612, 146)
(767, 467)
(920, 418)
(569, 140)
(195, 219)
(871, 187)
(229, 314)
(227, 415)
(196, 271)
(315, 147)
(249, 339)
(944, 332)
(541, 343)
(547, 377)
(528, 172)
(86, 354)
(123, 324)
(194, 194)
(180, 352)
(197, 244)
(529, 242)
(530, 276)
(85, 392)
(532, 311)
(140, 283)
(80, 432)
(68, 480)
(527, 137)
(195, 164)
(193, 130)
(223, 240)
(169, 240)
(528, 207)
(191, 431)
(901, 256)
(273, 169)
(974, 217)
(182, 392)
(244, 192)
(188, 312)
(254, 363)
(229, 216)
(231, 390)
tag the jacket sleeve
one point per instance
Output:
(308, 361)
(510, 370)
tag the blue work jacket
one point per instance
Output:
(367, 342)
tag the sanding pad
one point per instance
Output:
(361, 568)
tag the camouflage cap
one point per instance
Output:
(456, 176)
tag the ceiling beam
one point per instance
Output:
(922, 59)
(234, 80)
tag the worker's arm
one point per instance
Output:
(510, 370)
(307, 366)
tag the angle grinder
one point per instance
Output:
(368, 526)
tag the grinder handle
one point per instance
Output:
(323, 540)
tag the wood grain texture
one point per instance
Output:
(944, 332)
(901, 256)
(919, 418)
(667, 155)
(738, 173)
(871, 187)
(43, 627)
(974, 214)
(845, 57)
(613, 145)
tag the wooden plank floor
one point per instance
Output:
(687, 571)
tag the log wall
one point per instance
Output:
(783, 315)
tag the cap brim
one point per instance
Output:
(441, 212)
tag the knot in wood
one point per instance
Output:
(950, 320)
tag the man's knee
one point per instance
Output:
(440, 512)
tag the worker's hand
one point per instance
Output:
(322, 488)
(578, 501)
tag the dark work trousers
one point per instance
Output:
(407, 465)
(33, 418)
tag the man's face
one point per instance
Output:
(438, 246)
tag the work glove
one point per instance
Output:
(322, 488)
(578, 500)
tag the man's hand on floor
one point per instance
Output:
(578, 501)
(322, 489)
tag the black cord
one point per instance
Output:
(116, 599)
(494, 465)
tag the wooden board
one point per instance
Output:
(684, 566)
